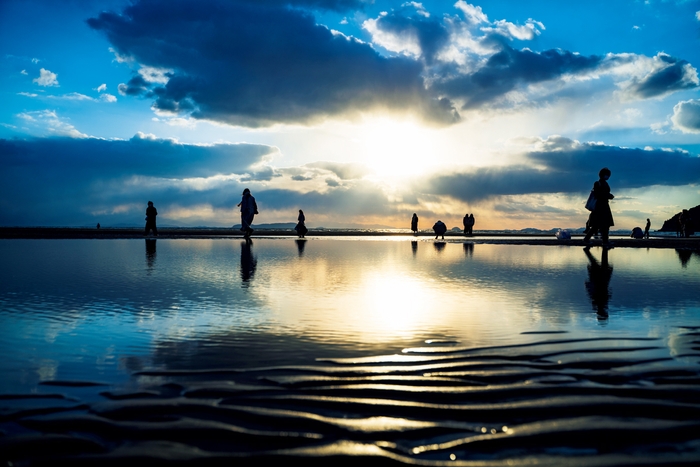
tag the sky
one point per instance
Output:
(359, 112)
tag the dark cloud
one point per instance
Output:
(65, 181)
(429, 32)
(565, 166)
(686, 116)
(254, 64)
(510, 69)
(674, 75)
(344, 171)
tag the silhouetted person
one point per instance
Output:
(439, 228)
(414, 223)
(414, 247)
(300, 227)
(468, 224)
(151, 214)
(465, 223)
(150, 252)
(598, 283)
(300, 246)
(249, 209)
(637, 233)
(601, 218)
(468, 249)
(98, 226)
(248, 262)
(686, 224)
(646, 229)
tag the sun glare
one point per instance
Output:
(395, 150)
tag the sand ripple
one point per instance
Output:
(588, 402)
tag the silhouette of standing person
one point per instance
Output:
(151, 214)
(465, 223)
(249, 209)
(248, 262)
(601, 218)
(646, 229)
(414, 223)
(598, 283)
(300, 227)
(439, 228)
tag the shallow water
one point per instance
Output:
(304, 329)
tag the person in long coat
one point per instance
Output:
(300, 227)
(465, 223)
(151, 214)
(601, 218)
(249, 209)
(414, 223)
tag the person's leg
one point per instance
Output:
(604, 233)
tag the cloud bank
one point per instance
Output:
(261, 63)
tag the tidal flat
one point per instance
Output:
(391, 351)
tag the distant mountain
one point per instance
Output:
(672, 224)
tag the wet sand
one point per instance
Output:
(451, 237)
(550, 401)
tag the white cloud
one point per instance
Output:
(24, 72)
(155, 75)
(35, 60)
(108, 97)
(121, 58)
(697, 15)
(46, 78)
(49, 121)
(686, 116)
(344, 21)
(27, 94)
(527, 32)
(473, 14)
(73, 96)
(101, 88)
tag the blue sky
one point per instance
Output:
(358, 112)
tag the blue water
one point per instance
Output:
(98, 310)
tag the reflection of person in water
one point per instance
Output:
(150, 252)
(248, 262)
(468, 249)
(300, 246)
(439, 246)
(598, 283)
(684, 255)
(414, 247)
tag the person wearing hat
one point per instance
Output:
(249, 209)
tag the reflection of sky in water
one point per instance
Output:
(91, 310)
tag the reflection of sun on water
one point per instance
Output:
(395, 304)
(394, 149)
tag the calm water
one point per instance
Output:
(127, 314)
(97, 310)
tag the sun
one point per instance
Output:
(395, 150)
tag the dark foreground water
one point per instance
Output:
(342, 351)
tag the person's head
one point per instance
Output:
(150, 203)
(648, 220)
(604, 173)
(246, 192)
(300, 211)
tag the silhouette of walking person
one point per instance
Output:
(439, 228)
(300, 227)
(414, 223)
(646, 229)
(151, 214)
(248, 262)
(249, 209)
(598, 283)
(601, 218)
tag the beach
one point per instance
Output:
(380, 350)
